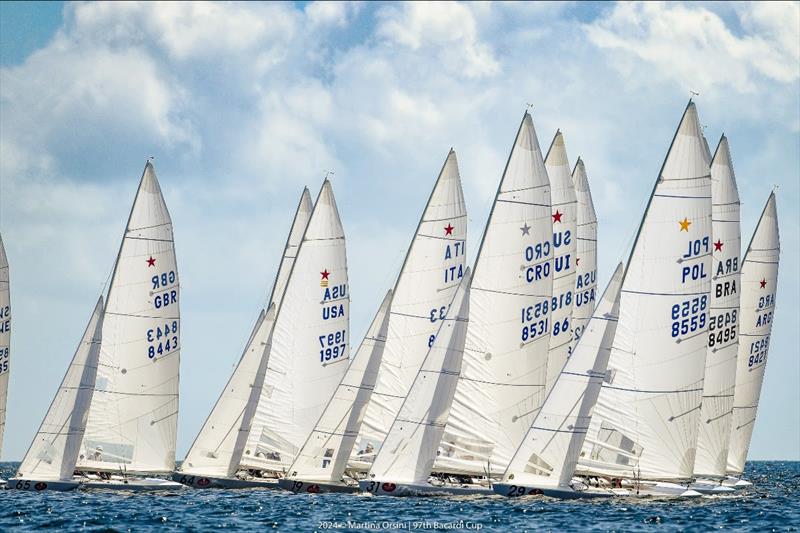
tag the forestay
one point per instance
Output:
(310, 348)
(5, 337)
(646, 419)
(723, 325)
(327, 449)
(218, 447)
(215, 451)
(585, 255)
(549, 452)
(54, 451)
(759, 284)
(433, 268)
(505, 359)
(565, 220)
(409, 451)
(133, 416)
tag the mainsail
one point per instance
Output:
(432, 270)
(327, 449)
(505, 359)
(133, 416)
(5, 337)
(310, 346)
(408, 453)
(758, 285)
(585, 255)
(548, 454)
(565, 219)
(218, 448)
(646, 420)
(55, 448)
(723, 323)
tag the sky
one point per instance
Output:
(241, 105)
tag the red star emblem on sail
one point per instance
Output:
(151, 262)
(557, 216)
(577, 261)
(325, 274)
(718, 245)
(763, 283)
(448, 230)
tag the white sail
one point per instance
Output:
(215, 451)
(758, 285)
(310, 346)
(565, 220)
(585, 255)
(549, 452)
(5, 337)
(408, 453)
(723, 325)
(327, 449)
(433, 268)
(646, 419)
(133, 416)
(301, 217)
(55, 448)
(505, 359)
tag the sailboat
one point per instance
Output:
(5, 340)
(546, 458)
(406, 458)
(309, 349)
(644, 428)
(723, 342)
(215, 455)
(503, 375)
(585, 254)
(321, 464)
(759, 283)
(51, 458)
(428, 279)
(565, 220)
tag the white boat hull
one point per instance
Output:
(131, 484)
(709, 486)
(565, 493)
(313, 487)
(388, 488)
(206, 482)
(37, 485)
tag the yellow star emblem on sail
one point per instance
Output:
(685, 224)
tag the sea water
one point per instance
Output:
(771, 504)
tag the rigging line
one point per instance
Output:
(520, 202)
(147, 239)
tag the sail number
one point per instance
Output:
(722, 328)
(332, 346)
(689, 315)
(758, 351)
(3, 359)
(163, 340)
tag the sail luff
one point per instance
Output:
(56, 445)
(5, 337)
(759, 281)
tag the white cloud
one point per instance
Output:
(692, 46)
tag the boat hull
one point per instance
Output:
(313, 487)
(38, 485)
(708, 486)
(388, 488)
(564, 493)
(206, 482)
(130, 484)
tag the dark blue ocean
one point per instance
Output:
(772, 504)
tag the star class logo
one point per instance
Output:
(150, 262)
(685, 223)
(448, 230)
(526, 229)
(323, 282)
(557, 216)
(763, 283)
(40, 486)
(313, 489)
(388, 487)
(718, 245)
